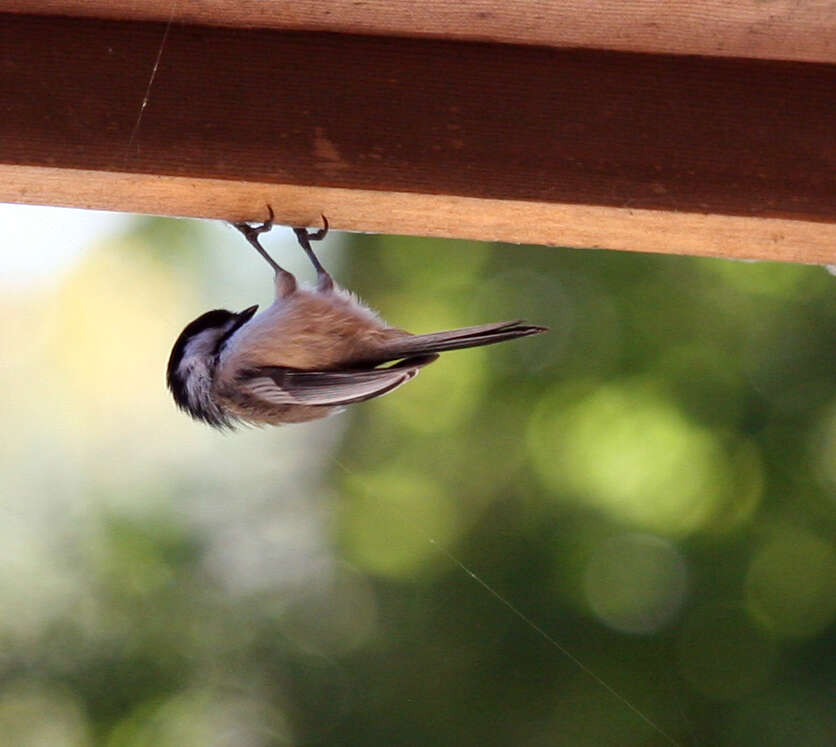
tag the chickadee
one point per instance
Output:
(312, 352)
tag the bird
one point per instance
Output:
(314, 351)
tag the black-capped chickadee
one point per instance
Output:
(315, 350)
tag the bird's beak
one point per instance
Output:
(247, 314)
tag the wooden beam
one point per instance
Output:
(778, 29)
(444, 215)
(576, 134)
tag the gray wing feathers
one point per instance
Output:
(285, 386)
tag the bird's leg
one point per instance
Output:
(285, 282)
(324, 281)
(251, 234)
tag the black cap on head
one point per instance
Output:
(215, 319)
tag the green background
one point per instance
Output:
(648, 489)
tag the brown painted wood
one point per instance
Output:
(426, 117)
(777, 29)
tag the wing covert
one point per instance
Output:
(286, 386)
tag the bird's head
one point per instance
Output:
(193, 359)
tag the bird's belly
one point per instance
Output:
(263, 413)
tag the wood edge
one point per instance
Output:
(778, 30)
(512, 221)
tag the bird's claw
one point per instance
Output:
(251, 232)
(313, 235)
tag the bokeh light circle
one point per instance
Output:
(627, 450)
(791, 583)
(635, 583)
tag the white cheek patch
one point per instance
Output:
(202, 345)
(194, 368)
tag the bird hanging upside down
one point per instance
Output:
(313, 351)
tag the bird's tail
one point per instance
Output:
(454, 339)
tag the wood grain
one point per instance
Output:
(774, 29)
(428, 215)
(498, 124)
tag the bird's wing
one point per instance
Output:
(287, 386)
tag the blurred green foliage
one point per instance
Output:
(649, 486)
